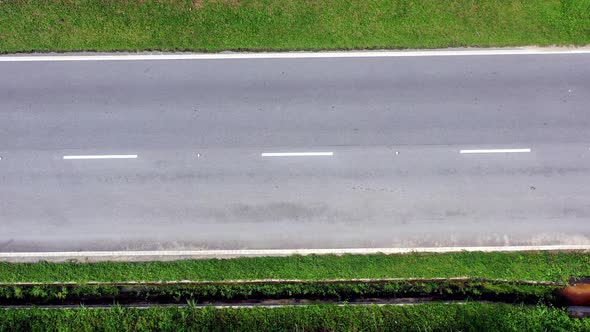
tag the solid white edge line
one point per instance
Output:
(285, 252)
(289, 55)
(111, 156)
(495, 151)
(296, 154)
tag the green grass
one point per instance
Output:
(427, 317)
(541, 266)
(214, 25)
(497, 291)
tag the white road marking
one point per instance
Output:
(293, 55)
(296, 154)
(105, 156)
(277, 252)
(495, 151)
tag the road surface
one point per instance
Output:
(486, 150)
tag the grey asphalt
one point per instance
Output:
(395, 126)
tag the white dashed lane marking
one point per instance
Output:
(297, 154)
(495, 151)
(105, 156)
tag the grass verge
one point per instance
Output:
(215, 25)
(254, 292)
(539, 266)
(426, 317)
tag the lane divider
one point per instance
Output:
(105, 156)
(495, 151)
(296, 154)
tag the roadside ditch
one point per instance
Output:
(282, 292)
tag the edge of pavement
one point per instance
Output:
(168, 255)
(228, 55)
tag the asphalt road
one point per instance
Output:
(195, 131)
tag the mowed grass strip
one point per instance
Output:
(540, 266)
(216, 25)
(425, 317)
